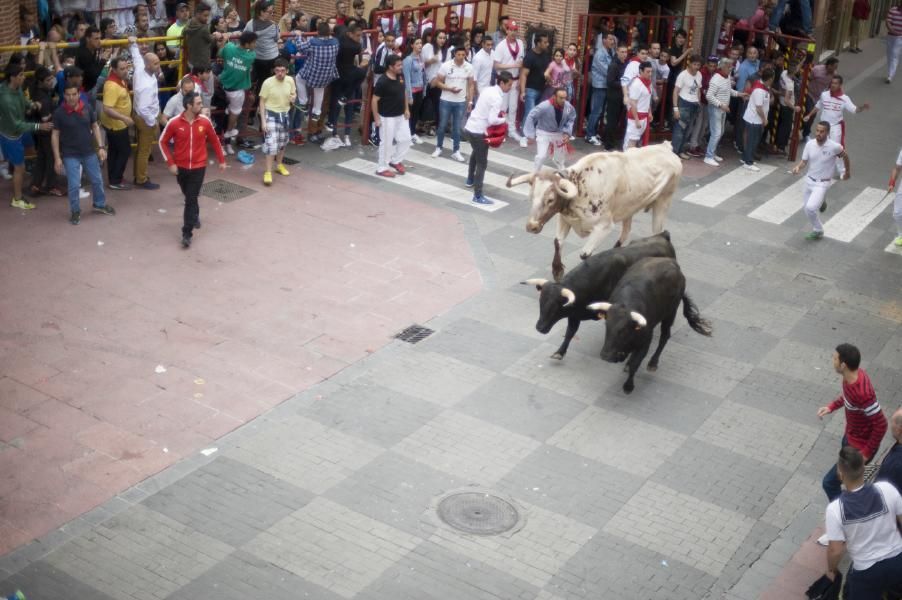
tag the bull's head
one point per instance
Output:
(551, 193)
(624, 332)
(555, 302)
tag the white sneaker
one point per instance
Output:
(416, 139)
(594, 140)
(437, 153)
(229, 150)
(230, 133)
(712, 162)
(523, 142)
(752, 168)
(83, 193)
(823, 541)
(458, 157)
(4, 172)
(718, 158)
(347, 141)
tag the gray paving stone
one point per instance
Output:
(370, 412)
(669, 405)
(395, 490)
(467, 448)
(829, 260)
(783, 283)
(729, 480)
(508, 310)
(738, 342)
(571, 485)
(521, 407)
(868, 276)
(756, 314)
(686, 212)
(433, 572)
(891, 355)
(612, 567)
(887, 383)
(478, 344)
(733, 247)
(702, 293)
(228, 500)
(740, 226)
(712, 269)
(139, 555)
(332, 546)
(805, 362)
(783, 396)
(242, 576)
(705, 370)
(43, 581)
(757, 553)
(826, 326)
(515, 243)
(795, 496)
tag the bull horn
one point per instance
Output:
(566, 188)
(527, 178)
(563, 173)
(639, 319)
(536, 282)
(600, 306)
(570, 296)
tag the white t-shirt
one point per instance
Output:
(760, 98)
(787, 85)
(483, 64)
(630, 72)
(427, 55)
(503, 55)
(689, 85)
(872, 535)
(832, 108)
(458, 76)
(821, 159)
(640, 93)
(899, 159)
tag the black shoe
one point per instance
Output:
(104, 210)
(75, 217)
(823, 207)
(186, 241)
(197, 224)
(119, 186)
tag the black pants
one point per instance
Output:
(415, 107)
(784, 127)
(479, 156)
(739, 126)
(191, 180)
(43, 176)
(806, 126)
(613, 111)
(259, 72)
(344, 87)
(119, 149)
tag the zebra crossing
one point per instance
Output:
(845, 225)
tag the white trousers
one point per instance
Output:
(897, 211)
(633, 133)
(394, 135)
(318, 101)
(836, 136)
(815, 193)
(510, 103)
(302, 90)
(550, 141)
(893, 50)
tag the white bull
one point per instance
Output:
(599, 190)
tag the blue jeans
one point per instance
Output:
(753, 134)
(716, 118)
(455, 110)
(91, 165)
(529, 102)
(681, 127)
(781, 7)
(599, 95)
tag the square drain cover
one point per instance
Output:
(225, 191)
(414, 334)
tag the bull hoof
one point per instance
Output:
(652, 368)
(628, 387)
(557, 356)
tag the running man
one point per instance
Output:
(897, 203)
(832, 103)
(820, 156)
(550, 124)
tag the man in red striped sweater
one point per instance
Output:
(865, 421)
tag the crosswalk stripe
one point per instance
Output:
(857, 214)
(423, 184)
(462, 170)
(782, 206)
(728, 185)
(497, 156)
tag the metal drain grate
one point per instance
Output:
(290, 161)
(225, 191)
(414, 334)
(478, 513)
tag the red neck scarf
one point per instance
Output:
(646, 83)
(635, 59)
(117, 80)
(78, 109)
(515, 49)
(838, 94)
(757, 85)
(571, 62)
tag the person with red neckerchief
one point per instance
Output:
(755, 117)
(638, 122)
(508, 56)
(550, 124)
(832, 104)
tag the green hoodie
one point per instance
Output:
(13, 106)
(237, 63)
(198, 42)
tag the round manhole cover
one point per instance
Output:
(479, 513)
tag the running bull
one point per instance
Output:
(592, 281)
(649, 293)
(599, 190)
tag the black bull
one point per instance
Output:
(592, 281)
(649, 293)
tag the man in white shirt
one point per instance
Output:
(484, 65)
(864, 521)
(455, 79)
(632, 71)
(687, 94)
(508, 56)
(832, 104)
(897, 202)
(174, 105)
(146, 104)
(638, 122)
(489, 111)
(819, 156)
(755, 117)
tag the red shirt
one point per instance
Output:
(865, 422)
(190, 142)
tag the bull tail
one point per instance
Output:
(696, 322)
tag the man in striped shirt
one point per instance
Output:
(893, 40)
(865, 422)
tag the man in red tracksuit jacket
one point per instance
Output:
(865, 421)
(190, 131)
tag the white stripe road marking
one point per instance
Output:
(423, 184)
(462, 169)
(857, 214)
(496, 156)
(783, 205)
(728, 185)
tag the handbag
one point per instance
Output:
(824, 589)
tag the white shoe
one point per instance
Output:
(230, 133)
(229, 150)
(347, 141)
(437, 153)
(718, 158)
(711, 161)
(83, 193)
(752, 168)
(458, 157)
(4, 172)
(594, 140)
(523, 142)
(416, 139)
(823, 541)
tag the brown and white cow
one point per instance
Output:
(599, 190)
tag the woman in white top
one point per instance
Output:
(435, 49)
(788, 108)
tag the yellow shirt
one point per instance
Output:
(116, 97)
(277, 94)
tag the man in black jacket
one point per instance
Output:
(615, 98)
(88, 58)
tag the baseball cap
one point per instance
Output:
(713, 58)
(512, 25)
(181, 4)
